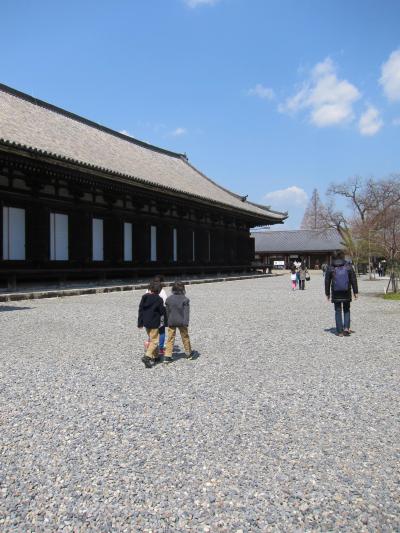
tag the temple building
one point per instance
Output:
(281, 248)
(79, 200)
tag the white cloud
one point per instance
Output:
(328, 99)
(124, 132)
(370, 121)
(196, 3)
(291, 196)
(262, 92)
(390, 79)
(178, 132)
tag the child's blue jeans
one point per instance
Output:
(161, 340)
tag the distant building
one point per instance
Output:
(314, 246)
(79, 199)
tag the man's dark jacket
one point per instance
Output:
(340, 296)
(151, 309)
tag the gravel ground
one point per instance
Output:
(278, 425)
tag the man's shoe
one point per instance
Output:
(148, 363)
(339, 334)
(167, 359)
(346, 333)
(189, 356)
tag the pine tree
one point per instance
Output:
(315, 213)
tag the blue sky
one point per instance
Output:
(269, 98)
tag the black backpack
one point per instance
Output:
(341, 281)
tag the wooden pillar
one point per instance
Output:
(186, 244)
(1, 228)
(217, 246)
(80, 237)
(245, 250)
(251, 249)
(230, 255)
(240, 248)
(201, 245)
(37, 234)
(114, 232)
(165, 244)
(141, 242)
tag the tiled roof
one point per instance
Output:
(307, 240)
(32, 124)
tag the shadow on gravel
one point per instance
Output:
(333, 330)
(5, 308)
(178, 355)
(330, 330)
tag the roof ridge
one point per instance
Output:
(88, 122)
(297, 230)
(267, 207)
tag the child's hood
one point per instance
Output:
(149, 299)
(176, 299)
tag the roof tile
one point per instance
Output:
(314, 240)
(41, 126)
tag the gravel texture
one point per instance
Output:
(277, 425)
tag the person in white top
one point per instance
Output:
(163, 294)
(293, 276)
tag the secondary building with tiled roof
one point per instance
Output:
(81, 198)
(314, 246)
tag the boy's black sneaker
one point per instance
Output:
(148, 363)
(189, 355)
(167, 359)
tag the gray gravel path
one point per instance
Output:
(277, 426)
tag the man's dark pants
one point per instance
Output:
(342, 321)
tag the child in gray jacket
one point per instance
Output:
(177, 306)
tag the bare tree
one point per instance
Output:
(314, 215)
(374, 220)
(335, 218)
(354, 191)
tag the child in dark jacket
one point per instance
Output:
(177, 306)
(151, 311)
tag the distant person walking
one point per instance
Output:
(303, 274)
(293, 277)
(340, 280)
(178, 310)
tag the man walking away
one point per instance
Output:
(340, 280)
